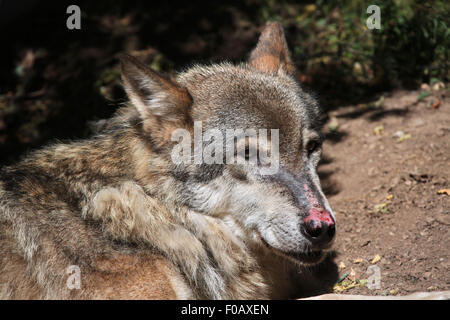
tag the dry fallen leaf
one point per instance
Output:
(334, 124)
(393, 292)
(342, 266)
(404, 137)
(444, 191)
(376, 259)
(389, 197)
(381, 208)
(358, 260)
(379, 130)
(348, 284)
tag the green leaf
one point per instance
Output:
(342, 278)
(423, 95)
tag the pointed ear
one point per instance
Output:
(161, 103)
(271, 52)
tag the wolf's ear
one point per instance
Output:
(271, 52)
(159, 101)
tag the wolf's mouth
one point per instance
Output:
(311, 257)
(308, 257)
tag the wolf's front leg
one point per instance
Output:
(213, 262)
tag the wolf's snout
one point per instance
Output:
(319, 226)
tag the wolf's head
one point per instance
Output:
(282, 208)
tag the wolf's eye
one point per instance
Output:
(312, 146)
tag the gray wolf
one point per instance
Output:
(139, 226)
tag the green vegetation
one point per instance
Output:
(333, 46)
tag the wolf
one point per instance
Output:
(136, 225)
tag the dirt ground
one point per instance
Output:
(385, 169)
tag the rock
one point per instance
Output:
(440, 295)
(398, 134)
(424, 86)
(438, 85)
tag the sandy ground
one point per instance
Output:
(385, 169)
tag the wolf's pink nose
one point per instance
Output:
(319, 226)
